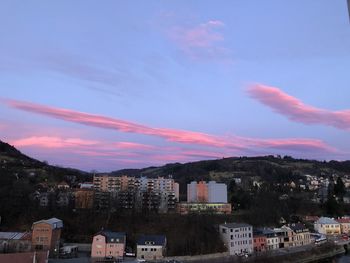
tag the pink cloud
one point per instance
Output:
(51, 142)
(235, 143)
(294, 109)
(203, 41)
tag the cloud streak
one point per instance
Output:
(295, 110)
(234, 144)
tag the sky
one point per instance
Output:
(107, 85)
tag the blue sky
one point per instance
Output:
(259, 77)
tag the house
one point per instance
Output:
(46, 235)
(237, 237)
(259, 242)
(285, 235)
(272, 240)
(301, 236)
(14, 242)
(344, 225)
(27, 257)
(151, 247)
(108, 244)
(327, 226)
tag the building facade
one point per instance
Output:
(203, 192)
(327, 226)
(46, 235)
(237, 237)
(151, 247)
(108, 244)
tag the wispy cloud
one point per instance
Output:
(295, 110)
(234, 143)
(201, 42)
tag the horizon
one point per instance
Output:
(107, 86)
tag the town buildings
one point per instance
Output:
(108, 244)
(151, 247)
(327, 226)
(237, 237)
(272, 239)
(46, 235)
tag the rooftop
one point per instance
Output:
(326, 220)
(54, 222)
(113, 237)
(14, 235)
(153, 240)
(235, 225)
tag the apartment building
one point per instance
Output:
(14, 242)
(237, 237)
(160, 194)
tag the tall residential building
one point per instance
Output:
(237, 237)
(137, 193)
(203, 192)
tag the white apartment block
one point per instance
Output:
(237, 237)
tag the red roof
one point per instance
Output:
(41, 257)
(343, 220)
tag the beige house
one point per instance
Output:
(327, 226)
(301, 235)
(151, 247)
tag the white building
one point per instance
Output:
(237, 237)
(203, 192)
(327, 226)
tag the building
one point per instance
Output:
(151, 247)
(159, 194)
(237, 237)
(272, 240)
(205, 208)
(108, 244)
(344, 225)
(46, 235)
(285, 235)
(301, 236)
(259, 242)
(327, 226)
(203, 192)
(14, 242)
(84, 198)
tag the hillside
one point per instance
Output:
(266, 168)
(13, 162)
